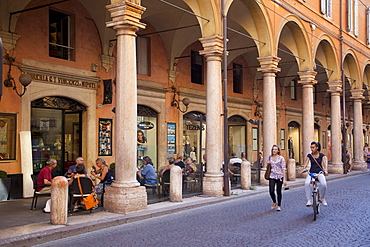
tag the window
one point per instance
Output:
(60, 40)
(143, 55)
(352, 16)
(237, 78)
(368, 25)
(282, 139)
(8, 129)
(255, 139)
(326, 8)
(293, 90)
(196, 68)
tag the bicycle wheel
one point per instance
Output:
(314, 204)
(318, 201)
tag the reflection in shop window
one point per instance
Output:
(147, 138)
(7, 136)
(255, 139)
(282, 139)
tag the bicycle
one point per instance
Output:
(315, 193)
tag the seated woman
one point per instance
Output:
(147, 175)
(80, 172)
(105, 176)
(190, 168)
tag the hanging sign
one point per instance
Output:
(145, 125)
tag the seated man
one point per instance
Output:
(45, 176)
(72, 169)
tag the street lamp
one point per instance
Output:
(176, 103)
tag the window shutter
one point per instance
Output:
(323, 6)
(328, 8)
(349, 15)
(355, 18)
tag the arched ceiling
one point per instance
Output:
(351, 71)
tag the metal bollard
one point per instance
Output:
(291, 170)
(59, 201)
(176, 184)
(245, 175)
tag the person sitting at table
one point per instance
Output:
(45, 176)
(103, 173)
(72, 169)
(80, 172)
(147, 175)
(190, 168)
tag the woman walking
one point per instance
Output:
(277, 176)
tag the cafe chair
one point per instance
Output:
(37, 194)
(153, 187)
(165, 182)
(74, 195)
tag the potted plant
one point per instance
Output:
(4, 185)
(112, 171)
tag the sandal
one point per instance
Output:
(273, 205)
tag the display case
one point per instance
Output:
(105, 137)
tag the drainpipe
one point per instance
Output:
(226, 134)
(344, 132)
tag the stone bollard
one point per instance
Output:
(59, 201)
(245, 175)
(176, 184)
(291, 171)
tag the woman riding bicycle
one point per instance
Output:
(319, 163)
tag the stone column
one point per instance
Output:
(245, 175)
(59, 201)
(126, 195)
(269, 130)
(307, 80)
(336, 165)
(358, 141)
(213, 178)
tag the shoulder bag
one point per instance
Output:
(268, 171)
(89, 201)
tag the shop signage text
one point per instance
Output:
(194, 127)
(63, 81)
(145, 125)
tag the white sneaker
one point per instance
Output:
(323, 201)
(309, 203)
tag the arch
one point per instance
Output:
(325, 53)
(236, 119)
(366, 75)
(194, 116)
(294, 124)
(292, 35)
(351, 70)
(147, 111)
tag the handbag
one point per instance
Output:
(268, 171)
(89, 201)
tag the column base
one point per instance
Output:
(213, 185)
(359, 166)
(122, 200)
(336, 168)
(263, 181)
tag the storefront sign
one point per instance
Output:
(63, 81)
(194, 127)
(145, 125)
(171, 138)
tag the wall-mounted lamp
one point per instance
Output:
(24, 79)
(176, 103)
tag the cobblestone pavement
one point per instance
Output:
(250, 222)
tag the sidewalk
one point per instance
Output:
(21, 227)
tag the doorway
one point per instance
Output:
(56, 131)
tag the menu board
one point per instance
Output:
(105, 137)
(171, 138)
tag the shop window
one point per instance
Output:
(282, 139)
(147, 134)
(8, 129)
(60, 35)
(237, 134)
(237, 78)
(194, 135)
(255, 139)
(196, 68)
(293, 90)
(143, 55)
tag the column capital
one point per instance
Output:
(357, 94)
(213, 46)
(269, 64)
(172, 74)
(334, 87)
(125, 14)
(307, 77)
(9, 40)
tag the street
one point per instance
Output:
(249, 221)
